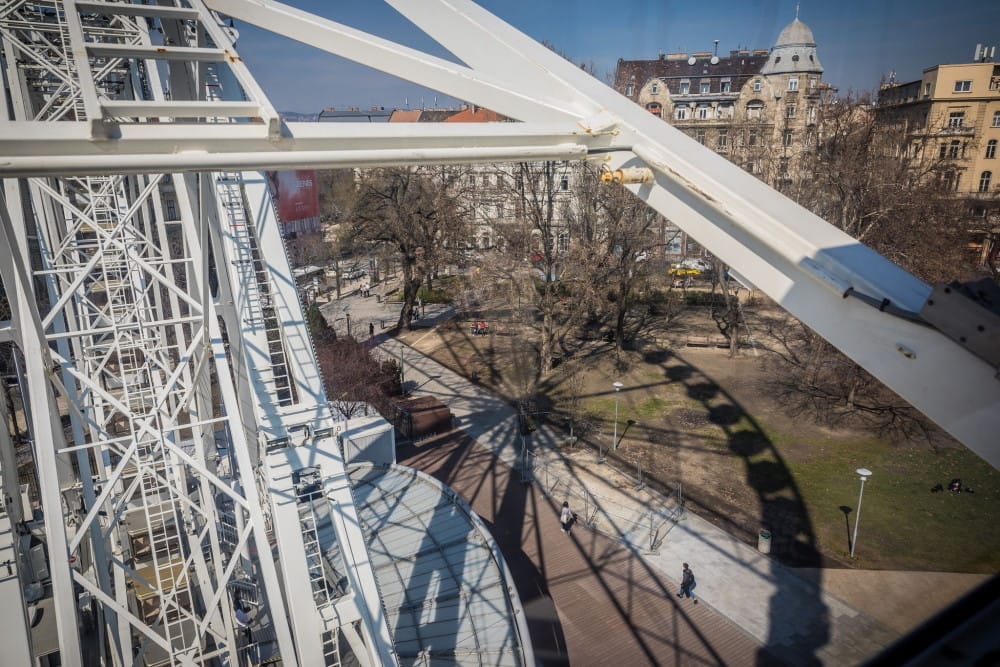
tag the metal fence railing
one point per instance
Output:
(641, 523)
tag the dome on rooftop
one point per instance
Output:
(796, 33)
(794, 52)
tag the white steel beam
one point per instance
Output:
(47, 438)
(37, 149)
(129, 9)
(381, 54)
(155, 52)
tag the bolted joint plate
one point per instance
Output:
(969, 314)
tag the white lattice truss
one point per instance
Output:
(119, 322)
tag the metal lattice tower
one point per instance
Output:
(129, 336)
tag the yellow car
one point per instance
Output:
(683, 271)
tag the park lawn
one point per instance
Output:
(903, 525)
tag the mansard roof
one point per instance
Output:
(738, 66)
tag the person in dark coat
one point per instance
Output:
(566, 518)
(687, 584)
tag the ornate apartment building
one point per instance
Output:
(952, 119)
(760, 108)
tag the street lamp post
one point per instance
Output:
(618, 387)
(864, 473)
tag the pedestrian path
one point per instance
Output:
(785, 610)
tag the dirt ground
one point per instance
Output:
(695, 417)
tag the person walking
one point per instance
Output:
(566, 517)
(687, 584)
(371, 329)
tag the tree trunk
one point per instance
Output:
(411, 285)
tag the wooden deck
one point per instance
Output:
(588, 599)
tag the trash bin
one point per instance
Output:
(764, 542)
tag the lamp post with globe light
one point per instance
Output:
(864, 473)
(618, 387)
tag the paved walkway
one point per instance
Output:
(617, 576)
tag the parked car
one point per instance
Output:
(679, 271)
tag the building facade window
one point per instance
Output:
(956, 118)
(950, 181)
(171, 206)
(991, 149)
(786, 138)
(700, 136)
(811, 115)
(704, 111)
(705, 87)
(793, 83)
(681, 112)
(984, 181)
(963, 86)
(564, 183)
(752, 138)
(654, 89)
(685, 87)
(629, 89)
(927, 89)
(754, 109)
(723, 141)
(790, 111)
(996, 119)
(951, 150)
(727, 87)
(756, 85)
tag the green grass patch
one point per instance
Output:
(903, 525)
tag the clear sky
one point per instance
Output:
(858, 40)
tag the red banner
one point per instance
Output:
(295, 195)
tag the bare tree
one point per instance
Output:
(534, 186)
(868, 178)
(726, 309)
(632, 238)
(417, 211)
(354, 379)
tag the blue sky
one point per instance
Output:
(858, 40)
